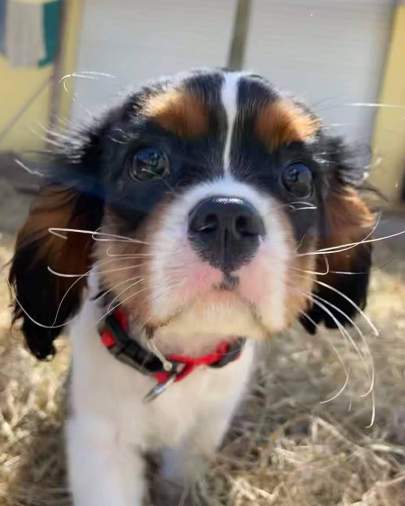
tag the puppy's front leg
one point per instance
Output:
(102, 470)
(187, 462)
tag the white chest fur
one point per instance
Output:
(109, 416)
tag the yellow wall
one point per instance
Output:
(17, 87)
(389, 133)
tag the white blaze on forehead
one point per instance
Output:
(229, 98)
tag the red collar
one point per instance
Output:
(114, 336)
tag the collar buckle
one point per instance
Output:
(160, 388)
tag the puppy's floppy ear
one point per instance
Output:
(346, 220)
(44, 301)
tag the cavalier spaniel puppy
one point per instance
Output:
(196, 218)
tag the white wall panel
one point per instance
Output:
(329, 52)
(136, 40)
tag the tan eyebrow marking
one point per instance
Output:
(179, 112)
(283, 122)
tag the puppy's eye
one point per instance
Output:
(297, 179)
(148, 163)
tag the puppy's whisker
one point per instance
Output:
(353, 304)
(54, 325)
(349, 273)
(162, 254)
(105, 237)
(172, 283)
(340, 359)
(78, 278)
(345, 333)
(36, 322)
(303, 204)
(120, 269)
(306, 208)
(373, 410)
(112, 309)
(109, 239)
(364, 341)
(320, 302)
(103, 293)
(163, 292)
(66, 275)
(375, 105)
(110, 254)
(371, 367)
(66, 294)
(289, 205)
(344, 247)
(367, 241)
(361, 334)
(134, 294)
(99, 263)
(134, 281)
(301, 241)
(318, 273)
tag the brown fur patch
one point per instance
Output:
(124, 271)
(55, 207)
(349, 221)
(52, 208)
(179, 112)
(300, 278)
(343, 288)
(282, 122)
(299, 285)
(48, 298)
(130, 260)
(299, 294)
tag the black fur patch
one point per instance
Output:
(94, 167)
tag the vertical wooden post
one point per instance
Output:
(389, 131)
(236, 54)
(66, 62)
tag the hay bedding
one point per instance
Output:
(285, 446)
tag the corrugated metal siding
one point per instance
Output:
(137, 40)
(326, 51)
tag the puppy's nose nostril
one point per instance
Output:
(241, 225)
(225, 231)
(210, 224)
(249, 225)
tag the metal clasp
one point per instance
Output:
(161, 387)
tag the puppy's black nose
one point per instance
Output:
(225, 231)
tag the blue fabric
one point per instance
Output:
(3, 9)
(52, 30)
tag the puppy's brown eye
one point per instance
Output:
(297, 179)
(147, 164)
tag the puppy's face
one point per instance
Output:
(217, 180)
(222, 191)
